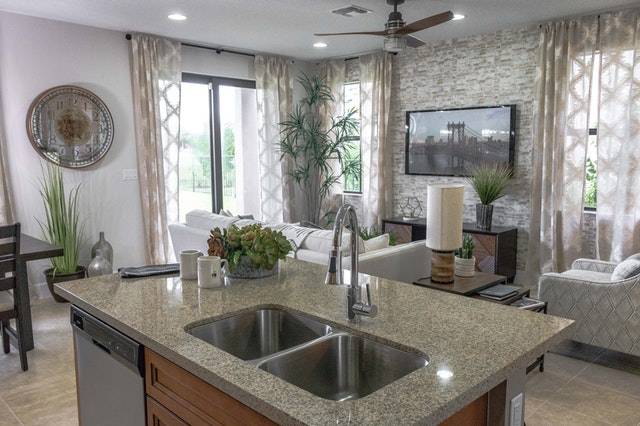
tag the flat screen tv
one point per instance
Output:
(452, 142)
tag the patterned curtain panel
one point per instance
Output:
(618, 197)
(565, 62)
(274, 92)
(375, 100)
(333, 72)
(156, 77)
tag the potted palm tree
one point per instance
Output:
(316, 147)
(490, 183)
(61, 227)
(465, 262)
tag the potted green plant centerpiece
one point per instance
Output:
(489, 182)
(251, 251)
(61, 227)
(465, 262)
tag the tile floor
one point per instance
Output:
(569, 392)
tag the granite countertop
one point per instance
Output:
(480, 342)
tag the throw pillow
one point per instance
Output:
(626, 269)
(376, 243)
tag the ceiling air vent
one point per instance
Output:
(351, 10)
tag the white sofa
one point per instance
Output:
(405, 262)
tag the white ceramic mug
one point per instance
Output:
(210, 271)
(189, 264)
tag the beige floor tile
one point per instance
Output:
(597, 402)
(613, 379)
(7, 418)
(554, 415)
(531, 404)
(541, 385)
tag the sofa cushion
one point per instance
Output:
(376, 243)
(581, 274)
(203, 219)
(241, 223)
(626, 269)
(322, 240)
(634, 257)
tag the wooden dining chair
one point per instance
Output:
(9, 307)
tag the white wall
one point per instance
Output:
(36, 54)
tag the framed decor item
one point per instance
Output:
(70, 126)
(452, 142)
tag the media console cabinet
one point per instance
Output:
(495, 249)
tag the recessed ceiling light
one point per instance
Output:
(319, 44)
(179, 17)
(457, 16)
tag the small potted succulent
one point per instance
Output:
(251, 251)
(465, 263)
(489, 182)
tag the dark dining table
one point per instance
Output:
(30, 249)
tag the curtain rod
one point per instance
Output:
(218, 50)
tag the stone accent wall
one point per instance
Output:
(483, 70)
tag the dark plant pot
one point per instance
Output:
(246, 270)
(52, 279)
(484, 215)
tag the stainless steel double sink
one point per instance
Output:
(328, 362)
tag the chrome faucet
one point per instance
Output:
(355, 306)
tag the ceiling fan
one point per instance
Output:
(396, 33)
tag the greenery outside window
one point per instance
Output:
(351, 100)
(591, 165)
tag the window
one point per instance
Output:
(352, 181)
(591, 165)
(219, 145)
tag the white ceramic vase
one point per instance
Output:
(465, 267)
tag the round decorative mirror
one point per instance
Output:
(70, 126)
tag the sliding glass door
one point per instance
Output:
(219, 146)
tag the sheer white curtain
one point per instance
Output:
(156, 76)
(375, 100)
(618, 210)
(565, 61)
(333, 72)
(274, 92)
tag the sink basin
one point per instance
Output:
(256, 334)
(342, 366)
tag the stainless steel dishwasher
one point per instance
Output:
(109, 373)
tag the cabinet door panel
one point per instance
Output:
(157, 415)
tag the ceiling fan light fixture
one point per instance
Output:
(458, 16)
(394, 44)
(177, 16)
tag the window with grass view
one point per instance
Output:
(591, 165)
(352, 181)
(219, 146)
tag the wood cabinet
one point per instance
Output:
(157, 415)
(177, 397)
(495, 249)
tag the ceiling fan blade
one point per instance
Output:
(378, 33)
(414, 41)
(425, 23)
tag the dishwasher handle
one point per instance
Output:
(121, 347)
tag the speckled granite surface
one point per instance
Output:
(480, 342)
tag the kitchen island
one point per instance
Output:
(474, 348)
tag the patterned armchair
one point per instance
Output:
(607, 313)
